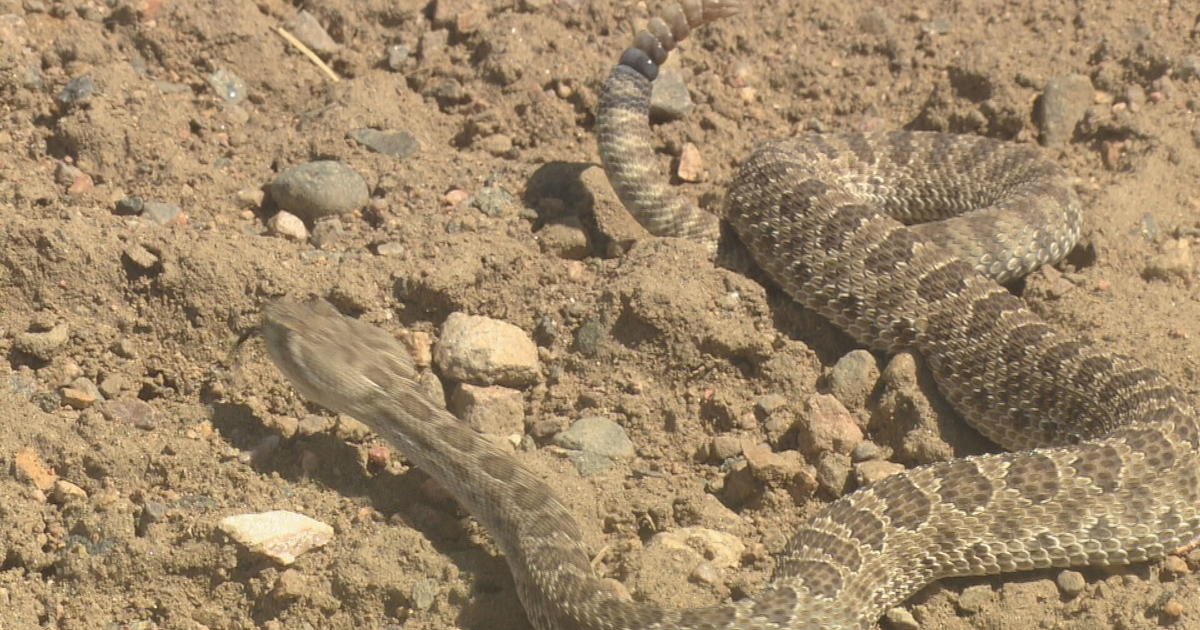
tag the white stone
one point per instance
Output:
(279, 534)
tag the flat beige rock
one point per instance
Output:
(279, 534)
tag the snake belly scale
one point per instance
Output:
(1105, 469)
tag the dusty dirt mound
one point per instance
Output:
(138, 138)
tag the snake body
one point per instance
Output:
(1106, 471)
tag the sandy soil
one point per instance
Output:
(501, 95)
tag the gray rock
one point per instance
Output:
(494, 201)
(590, 464)
(397, 55)
(307, 29)
(833, 473)
(42, 344)
(77, 90)
(1188, 68)
(423, 594)
(398, 144)
(129, 206)
(853, 377)
(589, 338)
(318, 189)
(597, 435)
(160, 212)
(1062, 106)
(485, 351)
(670, 99)
(1070, 583)
(229, 86)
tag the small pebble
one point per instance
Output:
(227, 85)
(456, 196)
(1175, 566)
(288, 225)
(308, 30)
(1173, 608)
(77, 90)
(901, 619)
(397, 55)
(691, 164)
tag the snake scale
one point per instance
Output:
(1106, 468)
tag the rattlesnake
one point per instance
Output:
(1116, 474)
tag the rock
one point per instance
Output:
(63, 492)
(1188, 67)
(398, 144)
(42, 344)
(565, 238)
(424, 592)
(494, 201)
(974, 598)
(141, 257)
(497, 144)
(485, 351)
(1062, 106)
(1071, 583)
(833, 473)
(279, 535)
(161, 212)
(288, 225)
(139, 413)
(1175, 566)
(785, 469)
(1173, 261)
(868, 472)
(669, 97)
(308, 30)
(75, 180)
(719, 549)
(597, 435)
(390, 248)
(589, 338)
(29, 468)
(691, 164)
(397, 55)
(825, 425)
(493, 410)
(227, 85)
(319, 189)
(129, 206)
(351, 429)
(77, 398)
(901, 619)
(77, 90)
(853, 378)
(722, 447)
(152, 512)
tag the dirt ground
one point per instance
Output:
(103, 101)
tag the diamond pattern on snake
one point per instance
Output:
(900, 239)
